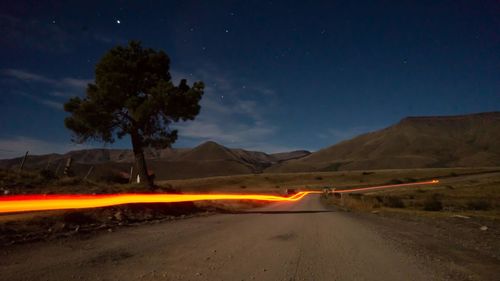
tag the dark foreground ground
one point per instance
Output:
(284, 241)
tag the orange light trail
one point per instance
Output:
(29, 203)
(385, 186)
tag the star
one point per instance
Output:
(221, 97)
(53, 21)
(118, 21)
(203, 48)
(227, 30)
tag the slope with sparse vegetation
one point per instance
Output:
(415, 142)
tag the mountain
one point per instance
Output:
(414, 142)
(212, 159)
(207, 159)
(208, 151)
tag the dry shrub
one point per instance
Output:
(394, 202)
(433, 204)
(395, 181)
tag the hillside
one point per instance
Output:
(414, 142)
(207, 159)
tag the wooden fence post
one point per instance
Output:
(24, 160)
(67, 168)
(130, 177)
(89, 172)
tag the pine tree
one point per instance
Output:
(133, 95)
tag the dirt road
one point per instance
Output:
(285, 241)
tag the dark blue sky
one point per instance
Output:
(280, 75)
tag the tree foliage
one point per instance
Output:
(134, 95)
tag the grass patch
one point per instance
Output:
(478, 205)
(433, 204)
(467, 193)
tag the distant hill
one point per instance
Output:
(414, 142)
(207, 159)
(213, 159)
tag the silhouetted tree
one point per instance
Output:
(133, 95)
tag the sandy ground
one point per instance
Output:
(284, 241)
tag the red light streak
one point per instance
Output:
(385, 186)
(29, 203)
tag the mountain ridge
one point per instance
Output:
(413, 142)
(207, 159)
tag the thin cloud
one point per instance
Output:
(60, 94)
(52, 104)
(63, 87)
(74, 83)
(43, 101)
(235, 133)
(229, 114)
(232, 113)
(27, 76)
(66, 83)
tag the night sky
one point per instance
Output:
(280, 75)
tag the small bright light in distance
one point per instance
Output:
(118, 21)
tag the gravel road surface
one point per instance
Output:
(284, 241)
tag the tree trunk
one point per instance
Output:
(140, 160)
